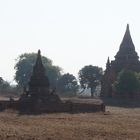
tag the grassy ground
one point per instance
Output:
(117, 123)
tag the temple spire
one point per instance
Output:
(39, 75)
(38, 67)
(127, 32)
(127, 27)
(39, 60)
(127, 40)
(108, 63)
(127, 49)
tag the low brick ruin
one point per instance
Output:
(39, 98)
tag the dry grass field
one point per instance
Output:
(116, 124)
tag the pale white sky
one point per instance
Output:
(73, 33)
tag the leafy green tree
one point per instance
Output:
(127, 82)
(89, 77)
(24, 66)
(67, 84)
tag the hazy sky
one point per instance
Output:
(73, 33)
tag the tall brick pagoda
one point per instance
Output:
(126, 58)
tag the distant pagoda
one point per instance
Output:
(126, 58)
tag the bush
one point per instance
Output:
(128, 82)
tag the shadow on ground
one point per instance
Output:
(118, 102)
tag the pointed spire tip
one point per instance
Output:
(39, 52)
(108, 60)
(108, 57)
(127, 28)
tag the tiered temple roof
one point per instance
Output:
(127, 49)
(126, 57)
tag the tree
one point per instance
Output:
(3, 84)
(24, 65)
(5, 87)
(89, 77)
(67, 84)
(127, 83)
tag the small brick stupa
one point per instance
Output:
(39, 93)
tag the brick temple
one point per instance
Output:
(126, 58)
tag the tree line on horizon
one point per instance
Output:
(65, 83)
